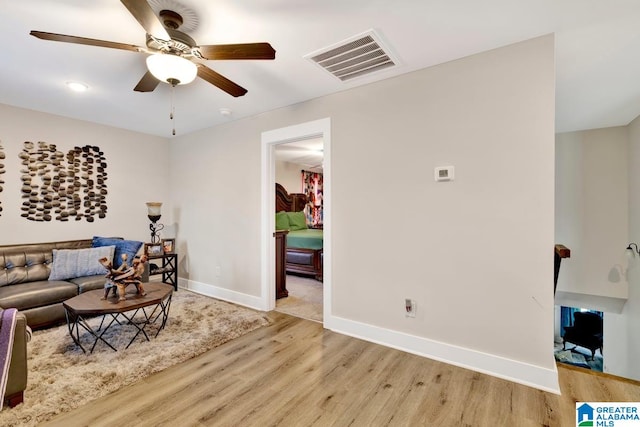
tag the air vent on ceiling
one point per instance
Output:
(355, 57)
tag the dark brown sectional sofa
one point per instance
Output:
(24, 283)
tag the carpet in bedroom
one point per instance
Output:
(62, 378)
(304, 300)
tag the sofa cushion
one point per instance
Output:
(47, 315)
(89, 283)
(36, 294)
(24, 266)
(70, 263)
(129, 247)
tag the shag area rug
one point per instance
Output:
(62, 377)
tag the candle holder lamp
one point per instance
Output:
(153, 212)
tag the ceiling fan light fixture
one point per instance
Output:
(172, 69)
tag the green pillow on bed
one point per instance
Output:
(282, 221)
(297, 221)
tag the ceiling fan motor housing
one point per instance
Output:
(171, 19)
(180, 43)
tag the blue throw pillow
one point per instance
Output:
(129, 247)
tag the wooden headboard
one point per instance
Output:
(293, 202)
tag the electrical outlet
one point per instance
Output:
(218, 271)
(410, 307)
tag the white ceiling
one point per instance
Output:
(597, 41)
(307, 154)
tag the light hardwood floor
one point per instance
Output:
(294, 373)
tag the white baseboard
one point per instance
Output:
(508, 369)
(221, 293)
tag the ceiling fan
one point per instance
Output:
(174, 55)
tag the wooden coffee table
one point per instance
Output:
(154, 305)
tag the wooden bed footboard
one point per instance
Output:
(298, 260)
(305, 261)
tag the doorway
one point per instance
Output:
(581, 338)
(299, 171)
(318, 129)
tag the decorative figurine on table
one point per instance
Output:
(118, 279)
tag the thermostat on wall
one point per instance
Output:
(444, 173)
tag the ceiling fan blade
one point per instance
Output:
(143, 13)
(147, 83)
(238, 51)
(83, 40)
(220, 81)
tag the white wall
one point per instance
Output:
(137, 168)
(289, 176)
(592, 220)
(632, 308)
(474, 253)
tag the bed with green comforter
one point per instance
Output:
(304, 245)
(308, 238)
(304, 248)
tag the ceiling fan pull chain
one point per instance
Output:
(172, 114)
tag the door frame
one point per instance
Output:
(314, 129)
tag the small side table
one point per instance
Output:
(168, 269)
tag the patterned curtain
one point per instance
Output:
(312, 187)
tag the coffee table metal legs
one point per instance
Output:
(77, 323)
(161, 309)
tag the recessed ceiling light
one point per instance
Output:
(226, 112)
(77, 86)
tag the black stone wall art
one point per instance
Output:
(2, 156)
(63, 187)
